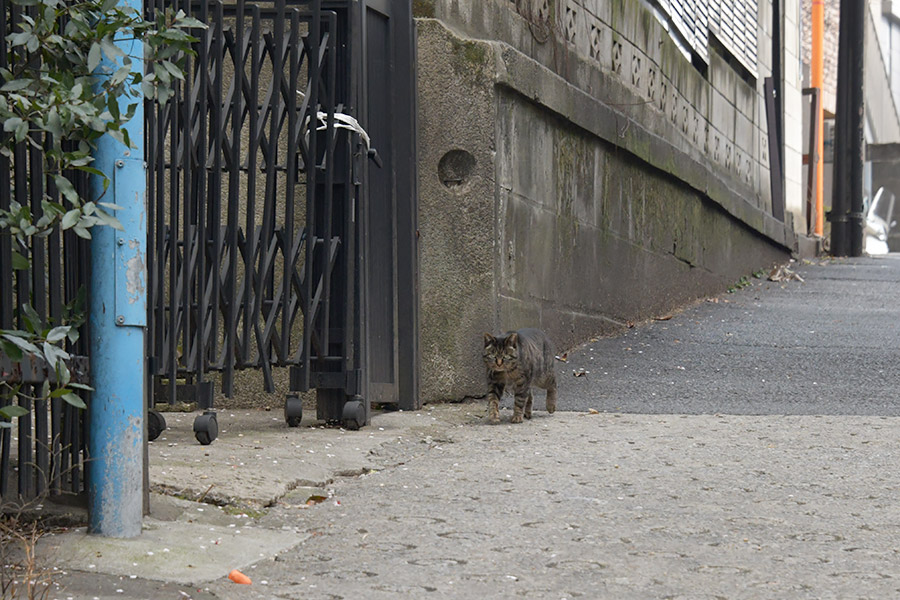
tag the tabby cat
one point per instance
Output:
(520, 359)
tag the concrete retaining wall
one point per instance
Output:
(559, 191)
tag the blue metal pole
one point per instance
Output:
(118, 317)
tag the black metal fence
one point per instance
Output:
(254, 194)
(252, 206)
(44, 450)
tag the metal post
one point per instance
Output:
(856, 152)
(847, 204)
(817, 117)
(778, 82)
(813, 187)
(118, 316)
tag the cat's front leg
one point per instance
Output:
(495, 391)
(528, 404)
(522, 397)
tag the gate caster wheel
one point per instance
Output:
(156, 424)
(206, 428)
(293, 411)
(353, 415)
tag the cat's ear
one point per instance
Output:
(488, 340)
(513, 340)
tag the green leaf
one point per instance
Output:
(94, 56)
(70, 219)
(162, 74)
(31, 318)
(22, 343)
(21, 132)
(148, 89)
(74, 400)
(14, 353)
(120, 75)
(63, 375)
(112, 103)
(58, 333)
(54, 123)
(66, 188)
(173, 69)
(111, 50)
(81, 386)
(81, 161)
(117, 135)
(45, 389)
(13, 412)
(190, 22)
(11, 123)
(19, 39)
(177, 35)
(163, 94)
(19, 262)
(109, 220)
(16, 85)
(54, 354)
(92, 171)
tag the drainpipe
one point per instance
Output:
(118, 317)
(849, 144)
(778, 79)
(817, 67)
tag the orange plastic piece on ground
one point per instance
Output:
(238, 577)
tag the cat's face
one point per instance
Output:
(501, 353)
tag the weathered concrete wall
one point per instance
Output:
(457, 109)
(590, 238)
(572, 192)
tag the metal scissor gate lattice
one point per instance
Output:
(253, 211)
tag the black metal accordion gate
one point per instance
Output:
(254, 183)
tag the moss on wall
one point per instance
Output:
(423, 8)
(469, 60)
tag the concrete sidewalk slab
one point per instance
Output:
(256, 463)
(180, 552)
(257, 458)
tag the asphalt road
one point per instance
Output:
(825, 346)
